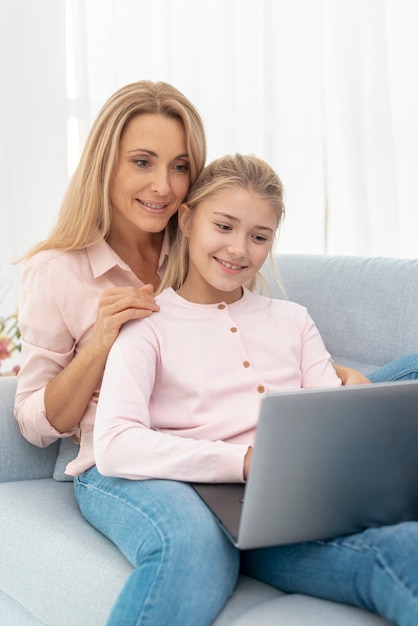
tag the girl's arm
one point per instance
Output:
(313, 347)
(316, 365)
(126, 442)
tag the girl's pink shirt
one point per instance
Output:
(182, 389)
(57, 311)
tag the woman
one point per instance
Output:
(109, 246)
(99, 267)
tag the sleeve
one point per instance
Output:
(126, 444)
(316, 363)
(47, 347)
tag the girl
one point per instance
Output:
(179, 401)
(190, 378)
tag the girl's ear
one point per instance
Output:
(184, 219)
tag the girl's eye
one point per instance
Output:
(260, 238)
(141, 162)
(224, 227)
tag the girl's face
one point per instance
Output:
(152, 175)
(230, 235)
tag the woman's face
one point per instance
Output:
(152, 175)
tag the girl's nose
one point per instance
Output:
(238, 246)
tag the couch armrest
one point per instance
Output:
(20, 460)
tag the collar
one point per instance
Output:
(103, 258)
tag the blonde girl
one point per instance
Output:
(180, 399)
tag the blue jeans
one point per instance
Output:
(185, 568)
(404, 368)
(376, 570)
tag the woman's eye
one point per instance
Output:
(181, 168)
(141, 162)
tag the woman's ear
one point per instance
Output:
(184, 219)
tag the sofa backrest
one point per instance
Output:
(366, 308)
(20, 460)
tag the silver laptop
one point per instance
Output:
(326, 462)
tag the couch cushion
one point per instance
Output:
(298, 610)
(12, 614)
(248, 594)
(53, 563)
(58, 569)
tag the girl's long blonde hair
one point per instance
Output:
(228, 172)
(86, 213)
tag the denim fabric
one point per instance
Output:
(185, 566)
(375, 570)
(404, 368)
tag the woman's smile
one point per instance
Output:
(154, 207)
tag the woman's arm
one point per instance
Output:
(61, 365)
(68, 394)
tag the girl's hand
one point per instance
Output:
(247, 462)
(116, 307)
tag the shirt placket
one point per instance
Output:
(257, 382)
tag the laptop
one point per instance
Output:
(326, 463)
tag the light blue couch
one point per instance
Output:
(56, 570)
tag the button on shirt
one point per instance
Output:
(181, 392)
(57, 311)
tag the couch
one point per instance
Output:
(56, 570)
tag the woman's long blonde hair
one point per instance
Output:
(86, 212)
(229, 172)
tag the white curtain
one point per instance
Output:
(325, 90)
(33, 117)
(370, 100)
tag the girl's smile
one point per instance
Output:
(229, 267)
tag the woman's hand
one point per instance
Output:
(68, 394)
(116, 307)
(350, 376)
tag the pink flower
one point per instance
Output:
(5, 347)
